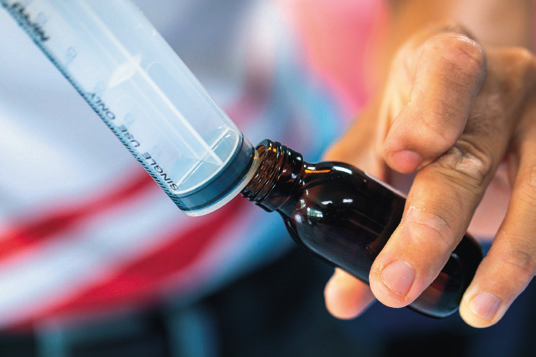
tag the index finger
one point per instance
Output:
(438, 211)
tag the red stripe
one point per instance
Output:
(139, 282)
(57, 220)
(336, 36)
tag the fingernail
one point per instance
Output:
(406, 160)
(485, 305)
(398, 277)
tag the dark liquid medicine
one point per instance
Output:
(345, 217)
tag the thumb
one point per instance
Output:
(449, 71)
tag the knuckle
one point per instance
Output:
(426, 226)
(526, 185)
(467, 161)
(461, 54)
(532, 175)
(520, 67)
(522, 57)
(515, 257)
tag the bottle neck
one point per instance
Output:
(280, 170)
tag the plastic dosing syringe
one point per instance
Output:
(138, 85)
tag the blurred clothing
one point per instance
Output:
(278, 310)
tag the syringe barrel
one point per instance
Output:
(138, 85)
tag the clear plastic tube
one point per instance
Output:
(141, 89)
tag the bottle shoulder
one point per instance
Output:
(339, 190)
(337, 178)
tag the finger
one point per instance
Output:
(439, 207)
(511, 262)
(346, 297)
(449, 71)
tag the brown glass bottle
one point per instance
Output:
(345, 217)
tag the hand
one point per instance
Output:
(463, 119)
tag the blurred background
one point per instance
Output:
(95, 260)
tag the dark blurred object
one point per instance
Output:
(279, 311)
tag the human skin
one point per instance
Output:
(456, 111)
